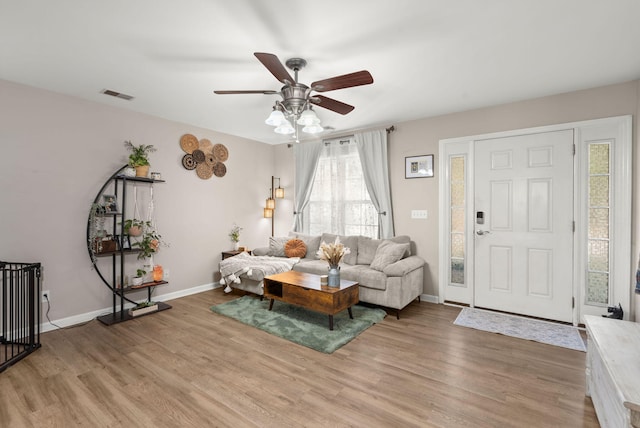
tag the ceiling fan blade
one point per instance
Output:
(331, 104)
(345, 81)
(245, 92)
(274, 65)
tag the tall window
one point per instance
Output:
(599, 223)
(457, 211)
(339, 201)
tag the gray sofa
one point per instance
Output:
(387, 272)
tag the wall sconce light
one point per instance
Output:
(270, 203)
(279, 191)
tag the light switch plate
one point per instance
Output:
(419, 214)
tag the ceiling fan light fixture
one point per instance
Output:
(313, 129)
(275, 118)
(285, 128)
(308, 117)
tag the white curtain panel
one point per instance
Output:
(372, 148)
(306, 161)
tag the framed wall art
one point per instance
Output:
(418, 166)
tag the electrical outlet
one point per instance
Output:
(45, 296)
(166, 274)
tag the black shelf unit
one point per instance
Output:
(119, 182)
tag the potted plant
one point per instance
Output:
(139, 157)
(137, 280)
(149, 244)
(143, 308)
(134, 227)
(234, 235)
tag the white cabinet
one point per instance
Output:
(613, 370)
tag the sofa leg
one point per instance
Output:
(397, 314)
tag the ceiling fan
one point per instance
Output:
(296, 97)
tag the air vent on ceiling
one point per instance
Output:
(117, 94)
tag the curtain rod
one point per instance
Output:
(351, 133)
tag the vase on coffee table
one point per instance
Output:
(333, 279)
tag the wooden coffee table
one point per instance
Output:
(304, 289)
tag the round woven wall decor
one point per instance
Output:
(203, 156)
(219, 169)
(206, 146)
(220, 152)
(188, 162)
(198, 156)
(204, 171)
(189, 143)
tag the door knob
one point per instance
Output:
(482, 232)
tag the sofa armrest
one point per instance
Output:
(261, 251)
(404, 266)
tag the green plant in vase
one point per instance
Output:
(139, 157)
(234, 235)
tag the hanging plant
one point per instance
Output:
(96, 230)
(149, 244)
(135, 227)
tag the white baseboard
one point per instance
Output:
(429, 298)
(88, 316)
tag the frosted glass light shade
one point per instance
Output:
(275, 118)
(285, 127)
(313, 129)
(267, 212)
(279, 193)
(308, 117)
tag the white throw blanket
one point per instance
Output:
(254, 267)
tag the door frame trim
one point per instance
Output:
(622, 269)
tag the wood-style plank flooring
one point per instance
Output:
(189, 367)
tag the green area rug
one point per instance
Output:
(299, 325)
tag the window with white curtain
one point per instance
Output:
(339, 201)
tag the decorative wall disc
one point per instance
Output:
(188, 162)
(210, 159)
(198, 156)
(206, 146)
(220, 152)
(204, 171)
(219, 169)
(189, 143)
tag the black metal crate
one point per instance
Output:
(19, 311)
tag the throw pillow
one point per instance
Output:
(276, 246)
(295, 248)
(311, 241)
(387, 253)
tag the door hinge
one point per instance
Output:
(573, 226)
(573, 302)
(574, 149)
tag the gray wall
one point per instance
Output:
(56, 151)
(421, 137)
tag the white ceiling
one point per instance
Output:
(427, 57)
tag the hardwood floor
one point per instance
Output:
(189, 367)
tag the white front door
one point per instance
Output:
(524, 224)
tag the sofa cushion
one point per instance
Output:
(350, 242)
(388, 252)
(366, 277)
(367, 247)
(295, 248)
(276, 246)
(311, 241)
